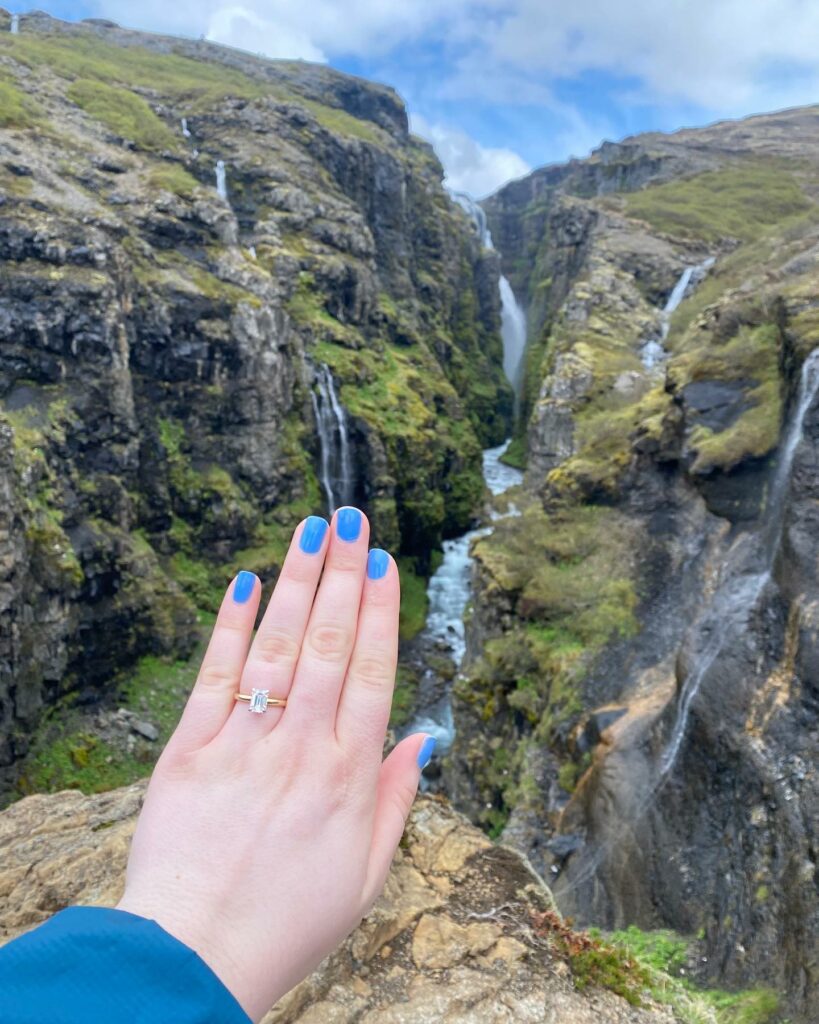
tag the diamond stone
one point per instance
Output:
(258, 701)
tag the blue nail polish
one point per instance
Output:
(312, 535)
(425, 753)
(348, 524)
(378, 562)
(243, 587)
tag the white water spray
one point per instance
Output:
(513, 318)
(15, 24)
(334, 442)
(449, 591)
(185, 130)
(653, 352)
(221, 180)
(745, 592)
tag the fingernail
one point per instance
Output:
(312, 536)
(348, 523)
(243, 586)
(425, 753)
(378, 562)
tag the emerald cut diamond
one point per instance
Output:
(258, 701)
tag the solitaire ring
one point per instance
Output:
(258, 701)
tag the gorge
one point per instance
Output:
(611, 622)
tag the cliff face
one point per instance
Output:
(638, 712)
(161, 345)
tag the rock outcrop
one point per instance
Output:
(638, 708)
(458, 935)
(161, 337)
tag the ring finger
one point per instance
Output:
(271, 662)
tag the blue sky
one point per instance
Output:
(501, 86)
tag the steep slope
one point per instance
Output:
(638, 710)
(189, 236)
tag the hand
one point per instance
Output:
(265, 838)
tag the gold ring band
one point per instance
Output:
(256, 697)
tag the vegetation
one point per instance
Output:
(17, 110)
(336, 120)
(738, 201)
(123, 112)
(197, 83)
(173, 178)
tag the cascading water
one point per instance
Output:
(449, 591)
(15, 24)
(221, 180)
(185, 130)
(653, 352)
(336, 458)
(513, 318)
(743, 593)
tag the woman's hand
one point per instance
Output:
(265, 838)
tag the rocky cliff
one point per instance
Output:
(164, 336)
(465, 931)
(638, 708)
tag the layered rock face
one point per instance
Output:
(638, 712)
(160, 339)
(461, 932)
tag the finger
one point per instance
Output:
(274, 652)
(397, 786)
(331, 630)
(364, 708)
(211, 700)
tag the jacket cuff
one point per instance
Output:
(94, 965)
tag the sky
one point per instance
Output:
(502, 86)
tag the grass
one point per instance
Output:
(16, 109)
(173, 178)
(414, 601)
(752, 355)
(739, 201)
(124, 113)
(339, 121)
(197, 83)
(663, 955)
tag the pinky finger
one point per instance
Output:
(397, 787)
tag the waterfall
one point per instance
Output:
(653, 352)
(221, 180)
(15, 24)
(513, 318)
(185, 130)
(740, 595)
(251, 249)
(336, 460)
(449, 591)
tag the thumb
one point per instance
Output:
(397, 786)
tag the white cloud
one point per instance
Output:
(469, 166)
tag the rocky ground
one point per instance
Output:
(465, 931)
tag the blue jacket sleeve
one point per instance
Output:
(92, 965)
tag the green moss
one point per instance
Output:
(80, 760)
(751, 356)
(199, 83)
(123, 112)
(173, 178)
(739, 201)
(663, 955)
(339, 121)
(16, 109)
(404, 696)
(414, 601)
